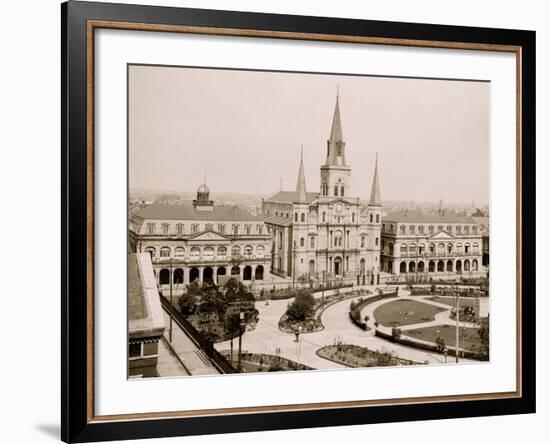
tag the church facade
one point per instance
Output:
(327, 235)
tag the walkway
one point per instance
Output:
(193, 359)
(267, 338)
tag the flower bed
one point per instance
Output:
(355, 356)
(356, 308)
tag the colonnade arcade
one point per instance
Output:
(186, 275)
(398, 266)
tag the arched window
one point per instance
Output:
(403, 249)
(303, 217)
(371, 218)
(475, 249)
(312, 242)
(421, 248)
(466, 251)
(342, 190)
(260, 251)
(302, 242)
(295, 217)
(195, 252)
(248, 251)
(152, 251)
(352, 217)
(338, 239)
(441, 248)
(235, 251)
(377, 218)
(222, 252)
(208, 253)
(449, 248)
(459, 248)
(412, 249)
(362, 241)
(179, 252)
(391, 248)
(432, 248)
(165, 252)
(376, 242)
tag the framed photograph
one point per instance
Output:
(275, 221)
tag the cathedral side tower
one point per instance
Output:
(374, 219)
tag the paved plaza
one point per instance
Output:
(267, 338)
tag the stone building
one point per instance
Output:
(326, 234)
(197, 240)
(437, 244)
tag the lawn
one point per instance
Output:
(469, 339)
(464, 302)
(405, 312)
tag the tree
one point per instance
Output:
(302, 306)
(440, 343)
(396, 333)
(483, 332)
(187, 303)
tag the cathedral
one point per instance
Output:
(326, 236)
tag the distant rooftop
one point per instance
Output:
(187, 211)
(291, 196)
(419, 216)
(279, 220)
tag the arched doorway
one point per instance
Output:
(449, 265)
(259, 273)
(221, 271)
(178, 276)
(431, 266)
(193, 274)
(247, 273)
(475, 265)
(362, 266)
(208, 275)
(458, 266)
(421, 267)
(338, 266)
(235, 271)
(466, 265)
(164, 276)
(412, 267)
(403, 267)
(440, 266)
(311, 268)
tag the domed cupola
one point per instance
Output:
(203, 202)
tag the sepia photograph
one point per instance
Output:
(301, 221)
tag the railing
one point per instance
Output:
(454, 254)
(207, 346)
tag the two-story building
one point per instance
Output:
(440, 243)
(198, 240)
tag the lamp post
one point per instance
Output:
(171, 278)
(298, 346)
(457, 314)
(294, 264)
(241, 325)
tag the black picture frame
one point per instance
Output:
(77, 425)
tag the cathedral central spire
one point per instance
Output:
(335, 145)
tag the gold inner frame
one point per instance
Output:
(92, 25)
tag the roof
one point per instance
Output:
(187, 211)
(291, 196)
(419, 216)
(279, 220)
(301, 190)
(333, 156)
(145, 317)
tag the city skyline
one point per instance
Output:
(220, 132)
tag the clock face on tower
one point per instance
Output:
(339, 208)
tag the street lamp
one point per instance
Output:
(241, 325)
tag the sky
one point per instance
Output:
(245, 129)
